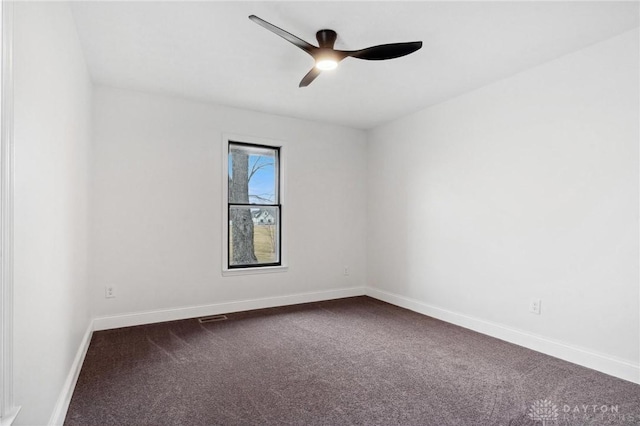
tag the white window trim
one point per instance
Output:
(8, 411)
(284, 266)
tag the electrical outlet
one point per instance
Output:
(346, 271)
(534, 306)
(109, 292)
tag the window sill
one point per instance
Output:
(253, 271)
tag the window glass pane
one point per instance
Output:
(254, 235)
(253, 176)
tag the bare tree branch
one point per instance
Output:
(256, 166)
(262, 197)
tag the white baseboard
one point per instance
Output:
(149, 317)
(62, 405)
(586, 358)
(10, 417)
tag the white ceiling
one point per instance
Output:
(212, 52)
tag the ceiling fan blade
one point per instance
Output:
(311, 75)
(309, 48)
(385, 51)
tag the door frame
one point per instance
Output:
(8, 410)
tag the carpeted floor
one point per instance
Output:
(353, 361)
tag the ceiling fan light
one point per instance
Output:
(326, 64)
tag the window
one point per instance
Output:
(253, 219)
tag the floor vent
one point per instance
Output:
(213, 318)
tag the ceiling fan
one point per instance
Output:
(327, 57)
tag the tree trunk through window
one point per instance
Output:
(241, 221)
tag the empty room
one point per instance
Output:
(320, 213)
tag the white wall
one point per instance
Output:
(52, 139)
(527, 188)
(156, 231)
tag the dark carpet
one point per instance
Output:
(355, 361)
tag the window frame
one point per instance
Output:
(282, 266)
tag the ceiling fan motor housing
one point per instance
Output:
(326, 38)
